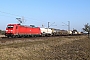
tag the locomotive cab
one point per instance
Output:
(11, 30)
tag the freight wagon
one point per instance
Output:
(46, 32)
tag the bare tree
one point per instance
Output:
(87, 28)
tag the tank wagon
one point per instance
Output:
(75, 32)
(17, 30)
(64, 32)
(46, 32)
(55, 32)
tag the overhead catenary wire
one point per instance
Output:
(36, 20)
(9, 13)
(7, 16)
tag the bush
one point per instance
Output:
(2, 32)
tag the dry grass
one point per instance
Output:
(2, 35)
(58, 48)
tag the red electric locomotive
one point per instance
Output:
(17, 30)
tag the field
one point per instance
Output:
(49, 48)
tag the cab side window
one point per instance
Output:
(16, 27)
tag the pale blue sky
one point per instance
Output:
(40, 12)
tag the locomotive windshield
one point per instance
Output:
(9, 26)
(32, 25)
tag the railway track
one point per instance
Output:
(5, 39)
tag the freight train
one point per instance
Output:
(18, 30)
